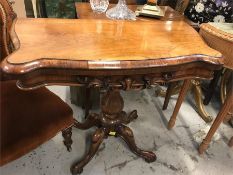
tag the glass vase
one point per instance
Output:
(121, 11)
(99, 6)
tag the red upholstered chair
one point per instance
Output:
(27, 118)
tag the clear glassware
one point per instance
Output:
(99, 6)
(121, 11)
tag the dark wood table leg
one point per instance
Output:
(110, 122)
(127, 135)
(228, 104)
(97, 139)
(212, 86)
(180, 99)
(168, 94)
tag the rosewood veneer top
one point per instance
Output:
(104, 44)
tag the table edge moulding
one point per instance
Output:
(43, 65)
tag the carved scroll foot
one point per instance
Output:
(97, 139)
(199, 102)
(127, 135)
(67, 133)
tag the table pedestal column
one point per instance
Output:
(110, 122)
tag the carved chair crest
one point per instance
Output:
(7, 15)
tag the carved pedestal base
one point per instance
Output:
(110, 122)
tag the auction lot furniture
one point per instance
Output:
(113, 56)
(27, 118)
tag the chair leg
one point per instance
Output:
(212, 86)
(67, 133)
(199, 103)
(168, 94)
(230, 144)
(87, 101)
(180, 99)
(228, 104)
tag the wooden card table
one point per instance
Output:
(110, 55)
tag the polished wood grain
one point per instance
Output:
(64, 52)
(103, 44)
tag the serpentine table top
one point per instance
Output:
(86, 44)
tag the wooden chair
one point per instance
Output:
(222, 41)
(27, 118)
(174, 88)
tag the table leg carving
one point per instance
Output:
(127, 135)
(92, 120)
(199, 102)
(228, 104)
(110, 122)
(180, 99)
(129, 117)
(97, 139)
(67, 133)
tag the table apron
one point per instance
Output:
(124, 81)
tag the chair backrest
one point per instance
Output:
(220, 40)
(7, 16)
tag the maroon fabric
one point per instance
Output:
(28, 119)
